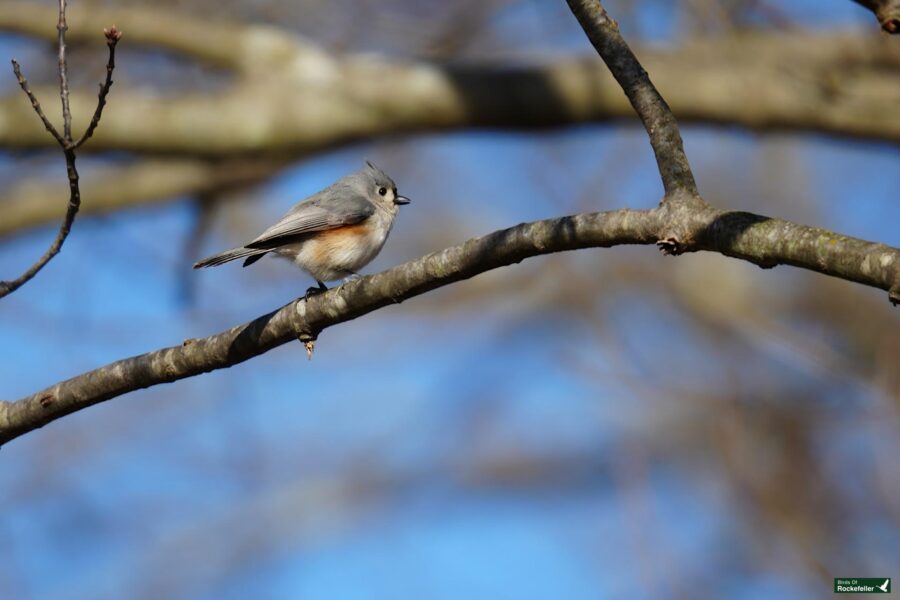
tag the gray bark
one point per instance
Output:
(758, 239)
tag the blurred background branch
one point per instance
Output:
(116, 187)
(839, 84)
(315, 99)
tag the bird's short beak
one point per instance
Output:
(401, 200)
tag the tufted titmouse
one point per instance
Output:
(333, 233)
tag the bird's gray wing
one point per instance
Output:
(316, 214)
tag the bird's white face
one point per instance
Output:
(382, 190)
(384, 195)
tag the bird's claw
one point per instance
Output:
(314, 291)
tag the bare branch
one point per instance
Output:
(113, 36)
(61, 28)
(655, 114)
(886, 11)
(687, 223)
(35, 104)
(8, 287)
(761, 240)
(65, 141)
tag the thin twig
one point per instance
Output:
(7, 287)
(35, 104)
(113, 36)
(61, 29)
(65, 141)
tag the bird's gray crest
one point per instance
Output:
(381, 178)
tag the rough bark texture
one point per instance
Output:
(751, 237)
(655, 114)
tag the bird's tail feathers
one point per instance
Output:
(229, 255)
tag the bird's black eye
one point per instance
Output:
(382, 191)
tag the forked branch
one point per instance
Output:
(682, 221)
(64, 140)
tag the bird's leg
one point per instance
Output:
(315, 291)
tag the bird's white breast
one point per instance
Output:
(337, 253)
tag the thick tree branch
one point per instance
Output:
(684, 204)
(758, 239)
(653, 111)
(685, 222)
(682, 199)
(886, 11)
